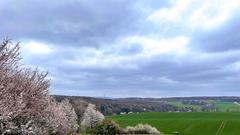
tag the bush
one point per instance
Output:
(107, 127)
(71, 116)
(26, 107)
(91, 117)
(61, 118)
(142, 129)
(24, 94)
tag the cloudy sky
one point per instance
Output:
(129, 48)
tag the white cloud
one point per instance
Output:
(173, 14)
(213, 13)
(162, 79)
(151, 46)
(36, 48)
(196, 14)
(234, 66)
(103, 62)
(167, 80)
(92, 57)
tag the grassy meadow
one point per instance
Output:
(228, 106)
(221, 106)
(186, 123)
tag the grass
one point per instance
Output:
(194, 123)
(228, 106)
(180, 104)
(220, 105)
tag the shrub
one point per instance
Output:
(71, 115)
(142, 129)
(107, 127)
(61, 118)
(91, 117)
(26, 106)
(24, 94)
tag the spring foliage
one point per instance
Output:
(142, 129)
(91, 117)
(107, 127)
(25, 104)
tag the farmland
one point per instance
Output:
(228, 106)
(206, 105)
(186, 123)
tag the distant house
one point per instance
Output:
(123, 113)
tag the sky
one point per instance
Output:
(129, 48)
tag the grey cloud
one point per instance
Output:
(72, 24)
(225, 38)
(130, 50)
(197, 77)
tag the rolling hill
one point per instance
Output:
(113, 106)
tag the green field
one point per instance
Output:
(221, 106)
(228, 107)
(180, 104)
(194, 123)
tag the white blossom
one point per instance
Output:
(91, 117)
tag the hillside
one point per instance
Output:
(111, 106)
(116, 106)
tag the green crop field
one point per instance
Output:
(221, 106)
(180, 104)
(228, 107)
(188, 123)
